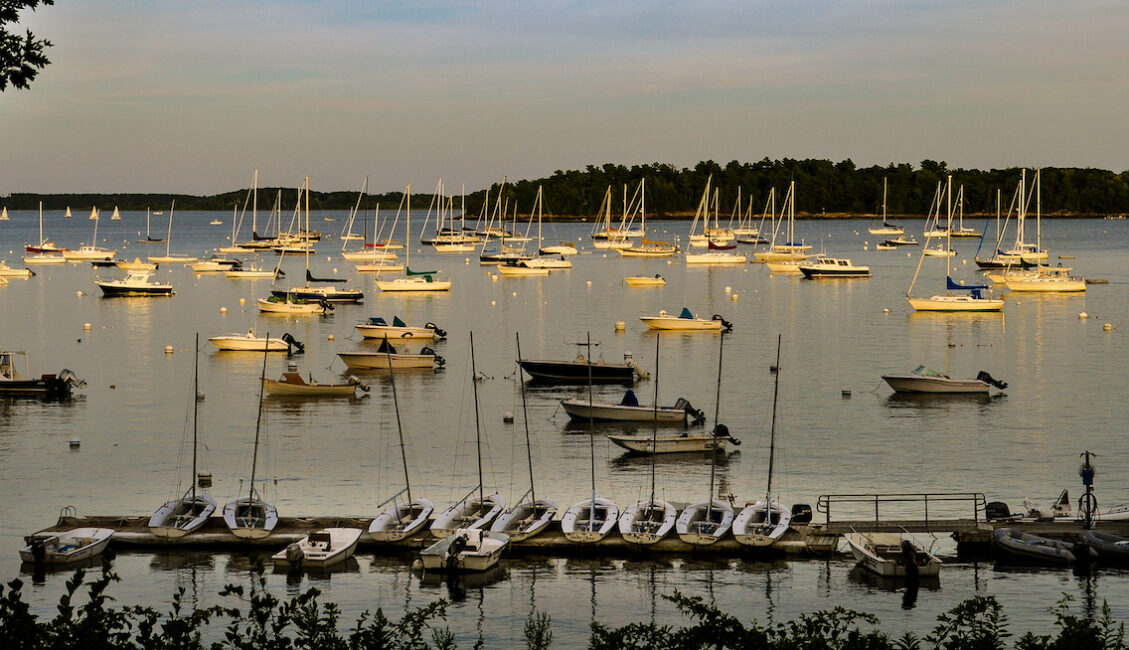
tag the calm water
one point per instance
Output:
(341, 457)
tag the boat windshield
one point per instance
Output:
(926, 372)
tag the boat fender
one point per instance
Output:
(294, 554)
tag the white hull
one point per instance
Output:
(469, 514)
(250, 519)
(73, 545)
(664, 322)
(526, 519)
(956, 303)
(248, 343)
(383, 361)
(370, 257)
(1047, 285)
(180, 517)
(612, 412)
(584, 524)
(647, 522)
(87, 253)
(918, 384)
(9, 272)
(401, 520)
(393, 332)
(644, 281)
(713, 258)
(136, 265)
(322, 548)
(518, 270)
(881, 554)
(44, 258)
(670, 443)
(268, 306)
(694, 528)
(465, 550)
(379, 267)
(413, 284)
(752, 527)
(290, 388)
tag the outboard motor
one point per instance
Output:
(458, 545)
(726, 325)
(439, 334)
(439, 361)
(997, 510)
(722, 431)
(801, 513)
(294, 554)
(69, 378)
(325, 304)
(988, 379)
(295, 346)
(697, 416)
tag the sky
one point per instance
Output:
(191, 97)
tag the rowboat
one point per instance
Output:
(292, 384)
(630, 410)
(63, 548)
(386, 357)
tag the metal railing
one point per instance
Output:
(976, 500)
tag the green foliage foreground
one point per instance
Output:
(262, 621)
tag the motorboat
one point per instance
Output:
(590, 520)
(386, 357)
(216, 264)
(467, 549)
(321, 548)
(686, 321)
(136, 265)
(892, 555)
(65, 547)
(14, 382)
(901, 241)
(9, 272)
(831, 267)
(1015, 542)
(292, 384)
(250, 342)
(378, 328)
(630, 410)
(252, 272)
(581, 370)
(38, 259)
(1047, 279)
(135, 283)
(293, 305)
(655, 280)
(924, 380)
(521, 268)
(414, 281)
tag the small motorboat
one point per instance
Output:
(10, 272)
(1017, 543)
(250, 342)
(216, 264)
(686, 321)
(65, 547)
(590, 520)
(647, 522)
(630, 410)
(466, 549)
(386, 357)
(831, 267)
(321, 548)
(291, 304)
(1108, 547)
(655, 280)
(469, 513)
(676, 443)
(892, 555)
(135, 265)
(580, 371)
(292, 384)
(924, 380)
(378, 328)
(13, 382)
(135, 283)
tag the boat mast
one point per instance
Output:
(306, 240)
(1038, 215)
(146, 225)
(883, 201)
(655, 424)
(41, 227)
(168, 237)
(477, 421)
(1021, 215)
(525, 419)
(591, 435)
(258, 423)
(948, 231)
(195, 407)
(408, 242)
(772, 437)
(399, 426)
(716, 414)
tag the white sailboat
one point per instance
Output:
(472, 511)
(604, 235)
(790, 250)
(705, 522)
(592, 519)
(290, 303)
(4, 214)
(542, 260)
(971, 297)
(649, 520)
(149, 238)
(714, 239)
(236, 223)
(91, 251)
(169, 256)
(413, 280)
(763, 522)
(401, 519)
(251, 517)
(45, 252)
(185, 514)
(886, 228)
(935, 231)
(116, 216)
(528, 517)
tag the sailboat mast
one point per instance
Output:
(525, 419)
(716, 414)
(477, 421)
(254, 204)
(195, 408)
(643, 206)
(591, 435)
(258, 422)
(948, 230)
(883, 201)
(399, 426)
(306, 240)
(1038, 215)
(168, 237)
(772, 434)
(655, 422)
(146, 224)
(41, 226)
(408, 238)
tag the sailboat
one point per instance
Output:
(961, 230)
(68, 215)
(604, 235)
(790, 250)
(183, 515)
(541, 260)
(646, 247)
(4, 214)
(648, 521)
(116, 216)
(720, 252)
(471, 512)
(93, 213)
(288, 303)
(886, 228)
(45, 251)
(91, 251)
(763, 522)
(401, 519)
(251, 517)
(169, 256)
(413, 280)
(705, 522)
(529, 516)
(590, 520)
(149, 238)
(976, 298)
(935, 231)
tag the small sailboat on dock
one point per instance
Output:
(251, 517)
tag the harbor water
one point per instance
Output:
(1066, 394)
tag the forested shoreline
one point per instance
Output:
(824, 189)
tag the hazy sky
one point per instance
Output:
(175, 96)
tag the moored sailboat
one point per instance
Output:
(251, 516)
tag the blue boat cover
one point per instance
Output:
(967, 287)
(629, 399)
(396, 322)
(686, 313)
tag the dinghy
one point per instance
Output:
(630, 410)
(321, 548)
(466, 549)
(292, 384)
(63, 548)
(1108, 547)
(892, 555)
(686, 321)
(1017, 543)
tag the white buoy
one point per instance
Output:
(466, 261)
(87, 326)
(223, 310)
(243, 301)
(885, 310)
(588, 283)
(728, 289)
(515, 294)
(493, 303)
(493, 278)
(733, 297)
(79, 294)
(335, 269)
(168, 349)
(620, 326)
(1083, 315)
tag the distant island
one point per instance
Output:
(824, 189)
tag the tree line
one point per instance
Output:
(823, 188)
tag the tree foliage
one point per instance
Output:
(21, 57)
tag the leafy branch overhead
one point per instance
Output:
(21, 57)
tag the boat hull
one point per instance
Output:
(248, 518)
(758, 526)
(180, 517)
(579, 409)
(695, 528)
(674, 323)
(526, 519)
(383, 361)
(400, 521)
(956, 303)
(647, 522)
(310, 552)
(920, 384)
(73, 545)
(279, 388)
(670, 443)
(587, 522)
(578, 372)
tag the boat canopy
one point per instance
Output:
(377, 320)
(686, 313)
(396, 322)
(426, 273)
(926, 372)
(629, 399)
(966, 287)
(386, 347)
